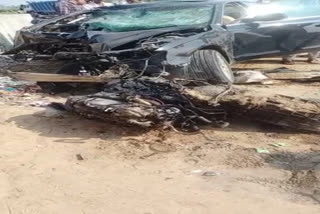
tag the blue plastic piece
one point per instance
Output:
(44, 7)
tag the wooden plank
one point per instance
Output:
(41, 77)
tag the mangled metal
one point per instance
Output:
(164, 37)
(147, 103)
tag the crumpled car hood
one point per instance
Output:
(111, 40)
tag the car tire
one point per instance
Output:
(210, 65)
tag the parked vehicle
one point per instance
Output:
(189, 39)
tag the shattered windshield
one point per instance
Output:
(144, 18)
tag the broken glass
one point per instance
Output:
(151, 18)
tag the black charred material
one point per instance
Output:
(146, 103)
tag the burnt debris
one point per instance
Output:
(154, 102)
(147, 102)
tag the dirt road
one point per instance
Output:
(52, 162)
(126, 172)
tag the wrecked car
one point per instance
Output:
(186, 39)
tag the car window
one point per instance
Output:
(233, 12)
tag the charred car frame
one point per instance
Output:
(189, 39)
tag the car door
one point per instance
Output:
(275, 33)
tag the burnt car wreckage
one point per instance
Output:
(193, 40)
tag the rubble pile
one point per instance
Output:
(147, 102)
(151, 102)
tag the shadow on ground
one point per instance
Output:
(59, 124)
(71, 128)
(304, 171)
(294, 161)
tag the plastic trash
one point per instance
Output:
(279, 144)
(210, 173)
(263, 151)
(9, 84)
(40, 104)
(8, 89)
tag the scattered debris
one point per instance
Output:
(9, 84)
(275, 76)
(203, 173)
(146, 102)
(40, 103)
(211, 173)
(45, 103)
(79, 157)
(242, 77)
(184, 104)
(8, 89)
(149, 102)
(195, 171)
(277, 145)
(263, 151)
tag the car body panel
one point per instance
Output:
(179, 52)
(257, 39)
(115, 39)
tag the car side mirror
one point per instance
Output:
(266, 18)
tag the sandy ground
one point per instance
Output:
(53, 162)
(274, 63)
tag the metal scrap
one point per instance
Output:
(147, 103)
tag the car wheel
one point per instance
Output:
(210, 65)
